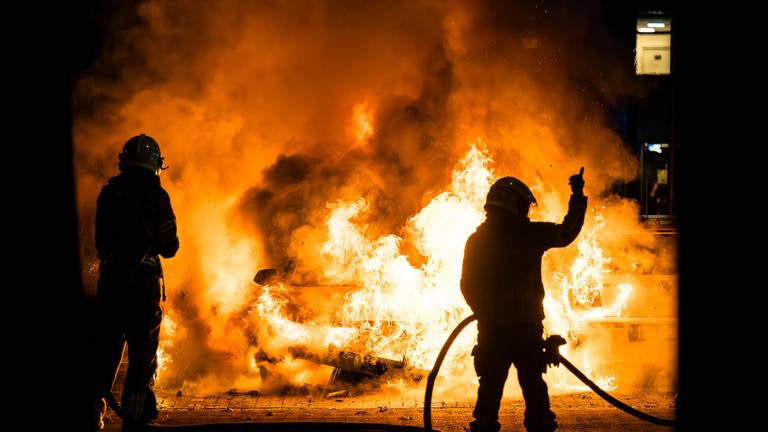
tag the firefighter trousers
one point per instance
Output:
(499, 348)
(137, 323)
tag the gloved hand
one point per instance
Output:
(577, 183)
(552, 351)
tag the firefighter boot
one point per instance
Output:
(543, 421)
(139, 409)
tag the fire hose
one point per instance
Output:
(551, 344)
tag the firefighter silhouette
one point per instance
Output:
(135, 225)
(501, 282)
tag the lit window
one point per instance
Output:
(653, 44)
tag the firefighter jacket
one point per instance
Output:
(134, 220)
(501, 274)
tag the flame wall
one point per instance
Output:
(267, 112)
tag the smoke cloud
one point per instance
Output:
(268, 111)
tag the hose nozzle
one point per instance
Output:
(552, 349)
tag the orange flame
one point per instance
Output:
(415, 85)
(400, 310)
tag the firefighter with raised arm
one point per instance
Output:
(135, 226)
(501, 282)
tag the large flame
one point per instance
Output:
(401, 310)
(337, 142)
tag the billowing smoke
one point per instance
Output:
(390, 171)
(268, 111)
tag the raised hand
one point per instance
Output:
(577, 182)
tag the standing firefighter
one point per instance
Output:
(501, 281)
(135, 225)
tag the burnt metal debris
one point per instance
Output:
(351, 366)
(265, 276)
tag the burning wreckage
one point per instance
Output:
(349, 368)
(367, 153)
(368, 310)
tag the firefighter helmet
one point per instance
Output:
(142, 150)
(510, 194)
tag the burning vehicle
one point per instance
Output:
(648, 323)
(353, 158)
(383, 318)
